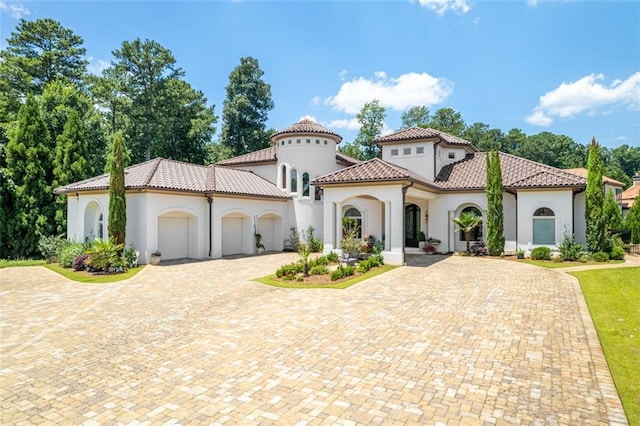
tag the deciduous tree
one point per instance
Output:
(449, 121)
(371, 118)
(416, 116)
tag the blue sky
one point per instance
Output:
(569, 67)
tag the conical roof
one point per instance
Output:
(306, 126)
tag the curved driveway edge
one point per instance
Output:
(463, 341)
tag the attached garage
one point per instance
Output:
(270, 227)
(233, 234)
(174, 235)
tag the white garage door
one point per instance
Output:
(266, 226)
(232, 235)
(173, 237)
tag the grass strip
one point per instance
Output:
(83, 278)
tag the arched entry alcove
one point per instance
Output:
(94, 226)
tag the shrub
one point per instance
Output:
(541, 253)
(81, 262)
(341, 272)
(104, 254)
(318, 261)
(332, 257)
(376, 260)
(289, 270)
(569, 248)
(315, 244)
(364, 266)
(557, 259)
(69, 253)
(617, 253)
(51, 246)
(318, 270)
(129, 256)
(584, 258)
(600, 256)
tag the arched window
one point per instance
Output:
(294, 180)
(544, 226)
(305, 184)
(352, 219)
(284, 176)
(476, 235)
(100, 226)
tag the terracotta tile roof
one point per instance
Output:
(268, 155)
(307, 126)
(423, 133)
(582, 172)
(628, 196)
(517, 172)
(178, 176)
(375, 170)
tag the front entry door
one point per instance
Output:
(412, 225)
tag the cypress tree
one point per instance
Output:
(611, 213)
(594, 200)
(28, 162)
(495, 212)
(71, 163)
(117, 196)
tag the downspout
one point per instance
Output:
(515, 194)
(210, 201)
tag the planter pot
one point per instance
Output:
(260, 250)
(520, 256)
(421, 244)
(155, 260)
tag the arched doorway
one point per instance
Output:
(93, 221)
(411, 225)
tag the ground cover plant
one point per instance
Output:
(93, 277)
(612, 297)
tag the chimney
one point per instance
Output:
(636, 180)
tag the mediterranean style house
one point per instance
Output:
(424, 179)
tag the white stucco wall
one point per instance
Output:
(560, 201)
(443, 209)
(423, 164)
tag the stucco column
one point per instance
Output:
(387, 225)
(338, 226)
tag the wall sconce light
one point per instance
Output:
(77, 196)
(426, 216)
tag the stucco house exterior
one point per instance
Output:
(424, 179)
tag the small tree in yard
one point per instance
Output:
(467, 222)
(594, 200)
(632, 221)
(611, 212)
(495, 212)
(117, 196)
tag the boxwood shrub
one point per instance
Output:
(541, 253)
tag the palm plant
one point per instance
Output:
(467, 222)
(104, 254)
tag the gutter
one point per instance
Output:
(210, 201)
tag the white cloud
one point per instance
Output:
(309, 117)
(344, 123)
(97, 66)
(343, 75)
(532, 3)
(317, 100)
(621, 138)
(397, 93)
(443, 6)
(586, 95)
(16, 9)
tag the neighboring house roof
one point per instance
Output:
(375, 170)
(628, 197)
(581, 171)
(517, 172)
(306, 126)
(163, 174)
(423, 133)
(268, 155)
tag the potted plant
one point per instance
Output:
(434, 242)
(422, 240)
(155, 257)
(429, 248)
(520, 254)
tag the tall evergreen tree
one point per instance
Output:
(27, 159)
(117, 192)
(632, 221)
(611, 212)
(594, 200)
(495, 212)
(70, 165)
(246, 108)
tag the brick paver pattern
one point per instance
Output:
(462, 341)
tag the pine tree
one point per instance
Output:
(117, 195)
(495, 213)
(611, 213)
(71, 163)
(28, 159)
(594, 200)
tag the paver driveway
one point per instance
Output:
(464, 341)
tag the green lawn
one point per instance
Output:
(83, 278)
(5, 263)
(613, 297)
(270, 280)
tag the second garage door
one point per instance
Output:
(173, 237)
(232, 235)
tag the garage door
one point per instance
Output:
(173, 237)
(266, 225)
(232, 235)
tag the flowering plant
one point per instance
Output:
(429, 248)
